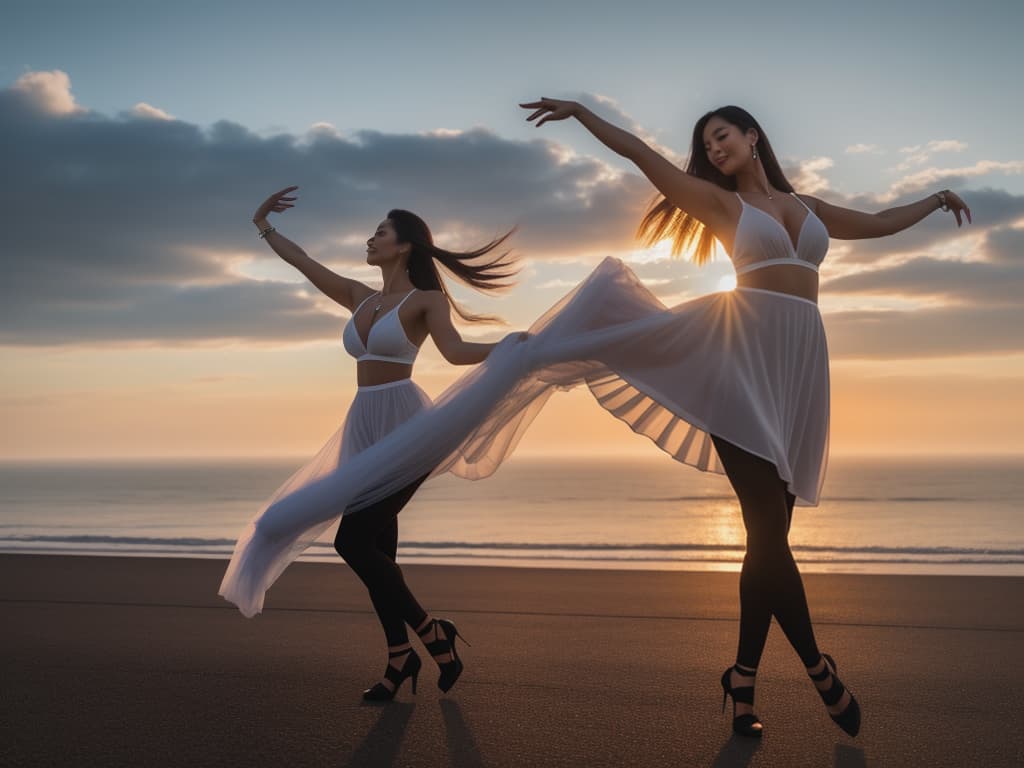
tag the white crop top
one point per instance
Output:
(762, 241)
(386, 339)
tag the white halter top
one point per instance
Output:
(762, 241)
(386, 339)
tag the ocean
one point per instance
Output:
(961, 516)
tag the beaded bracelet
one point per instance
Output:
(264, 232)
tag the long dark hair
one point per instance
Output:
(666, 220)
(467, 267)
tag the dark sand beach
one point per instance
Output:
(137, 661)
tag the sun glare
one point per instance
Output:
(727, 282)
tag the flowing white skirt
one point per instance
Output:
(260, 558)
(748, 365)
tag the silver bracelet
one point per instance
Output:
(264, 232)
(943, 205)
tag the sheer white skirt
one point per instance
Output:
(271, 541)
(748, 365)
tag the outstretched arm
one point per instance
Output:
(446, 337)
(343, 290)
(700, 198)
(848, 224)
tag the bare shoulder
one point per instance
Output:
(811, 202)
(428, 303)
(360, 292)
(429, 299)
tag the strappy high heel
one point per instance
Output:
(849, 718)
(439, 646)
(410, 668)
(744, 725)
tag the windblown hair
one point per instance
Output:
(468, 267)
(664, 220)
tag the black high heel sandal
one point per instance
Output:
(849, 718)
(411, 668)
(450, 670)
(744, 725)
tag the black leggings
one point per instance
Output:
(368, 541)
(770, 584)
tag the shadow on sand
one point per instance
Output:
(462, 748)
(736, 752)
(850, 757)
(380, 746)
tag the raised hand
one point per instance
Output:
(275, 203)
(551, 109)
(956, 205)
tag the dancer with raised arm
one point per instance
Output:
(751, 365)
(384, 335)
(734, 382)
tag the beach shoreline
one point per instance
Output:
(953, 568)
(892, 518)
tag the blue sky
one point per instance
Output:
(821, 76)
(137, 138)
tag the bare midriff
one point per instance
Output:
(783, 278)
(370, 373)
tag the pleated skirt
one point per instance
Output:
(748, 365)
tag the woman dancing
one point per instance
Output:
(757, 382)
(733, 382)
(384, 335)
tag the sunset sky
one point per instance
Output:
(141, 316)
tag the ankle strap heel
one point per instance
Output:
(410, 668)
(744, 725)
(849, 718)
(444, 633)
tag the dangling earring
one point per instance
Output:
(753, 151)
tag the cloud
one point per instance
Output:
(946, 145)
(980, 309)
(49, 92)
(930, 332)
(251, 310)
(324, 128)
(1005, 245)
(992, 209)
(610, 110)
(939, 178)
(936, 145)
(955, 281)
(147, 111)
(807, 176)
(111, 222)
(863, 149)
(136, 228)
(918, 155)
